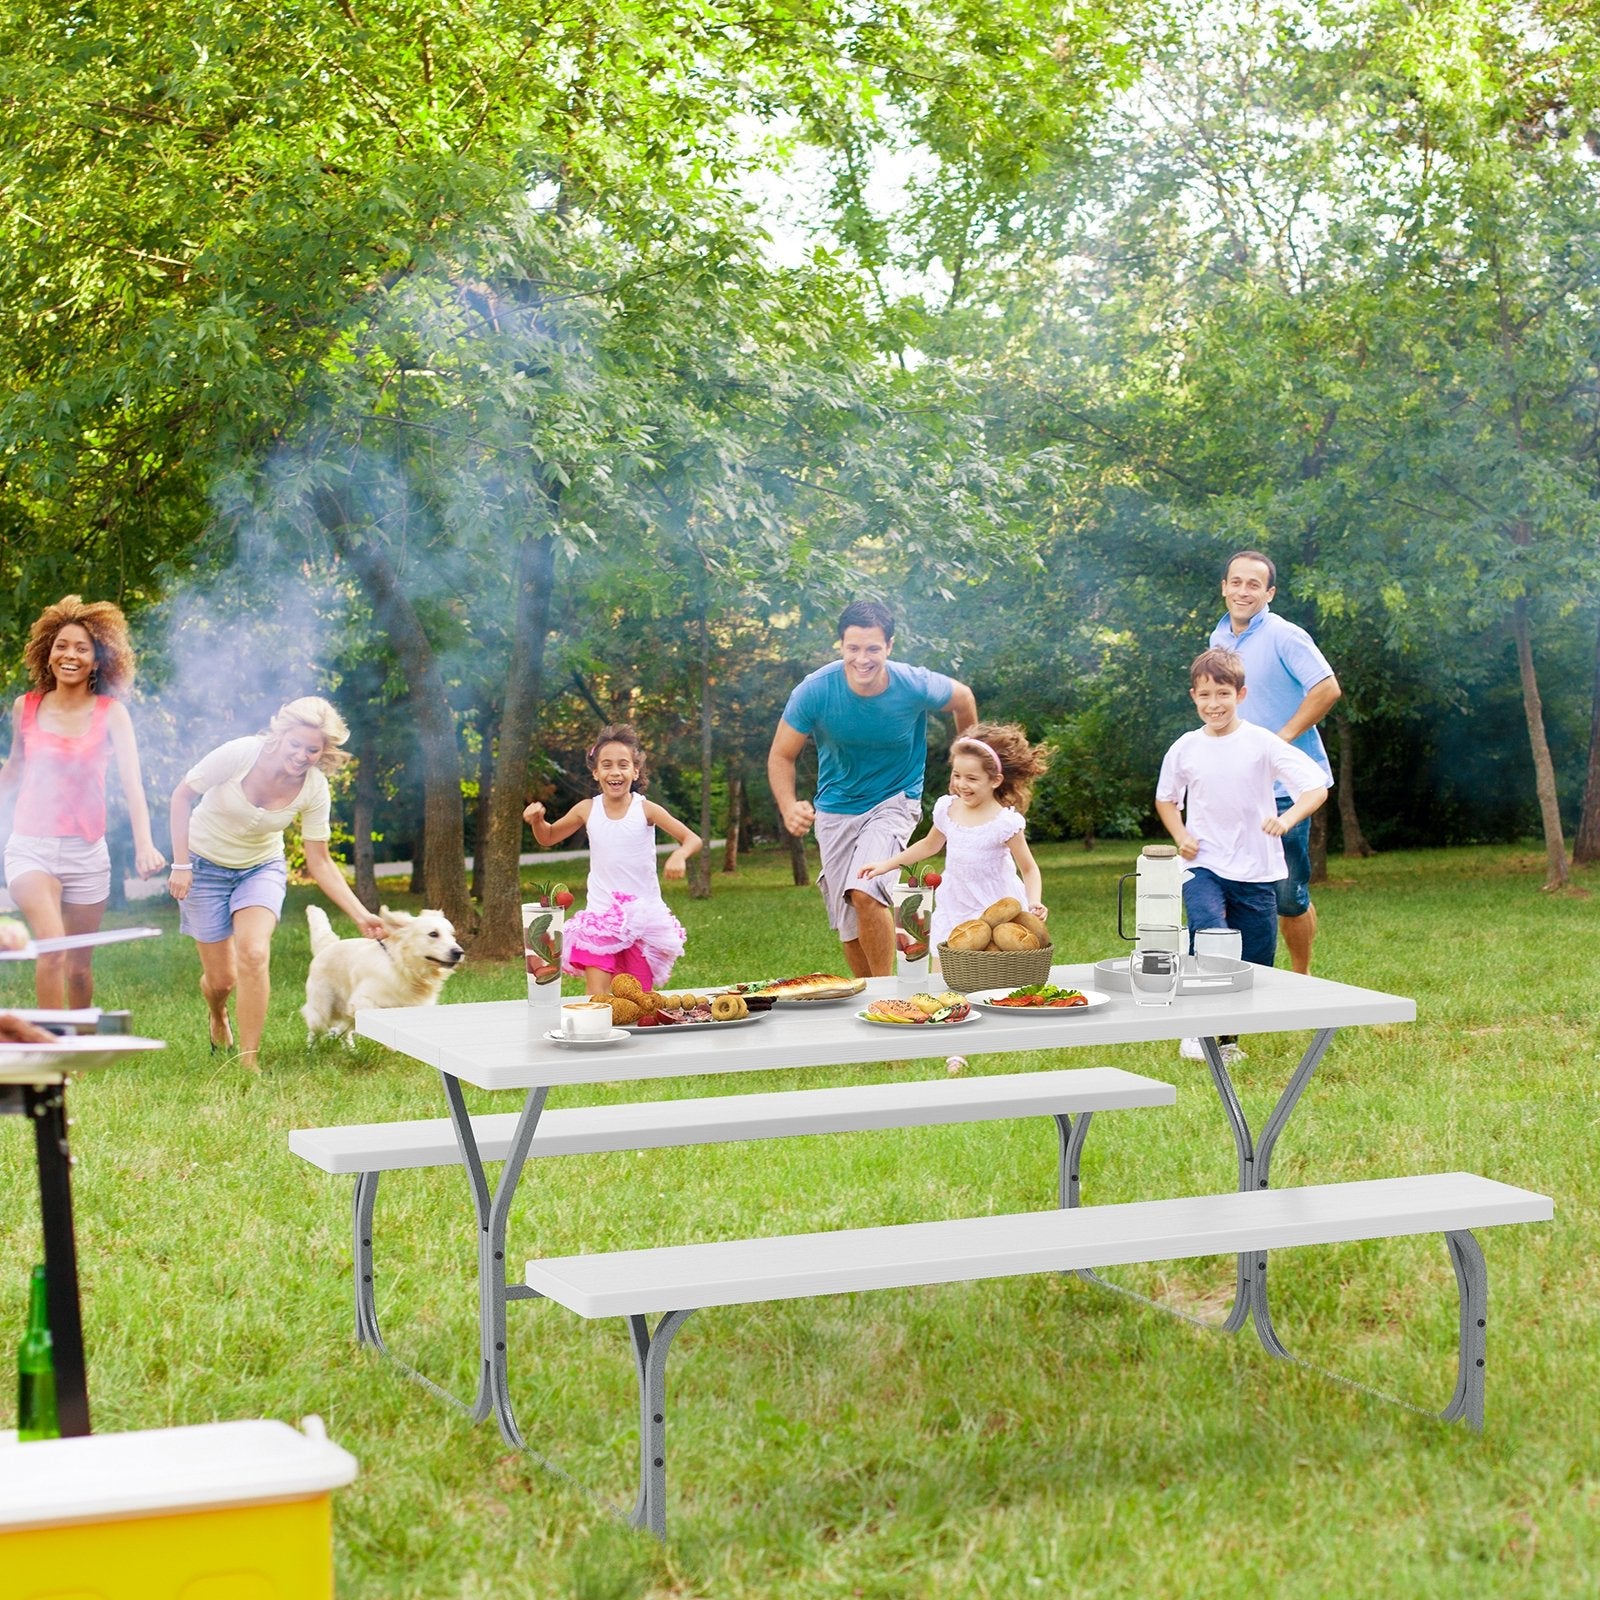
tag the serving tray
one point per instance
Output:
(1201, 975)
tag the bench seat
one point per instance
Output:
(677, 1279)
(660, 1124)
(691, 1277)
(368, 1150)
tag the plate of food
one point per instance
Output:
(919, 1010)
(813, 988)
(1035, 997)
(649, 1009)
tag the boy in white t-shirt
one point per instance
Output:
(1228, 830)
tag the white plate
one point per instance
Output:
(987, 997)
(878, 1022)
(616, 1036)
(690, 1027)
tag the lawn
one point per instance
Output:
(1028, 1436)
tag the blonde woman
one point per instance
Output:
(228, 871)
(67, 729)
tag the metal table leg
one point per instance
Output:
(491, 1211)
(1250, 1271)
(1255, 1159)
(47, 1107)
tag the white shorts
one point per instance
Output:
(81, 866)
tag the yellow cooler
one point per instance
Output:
(226, 1511)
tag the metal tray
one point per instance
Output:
(1201, 975)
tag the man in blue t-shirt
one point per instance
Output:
(1292, 688)
(868, 716)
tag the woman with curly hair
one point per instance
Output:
(228, 871)
(66, 731)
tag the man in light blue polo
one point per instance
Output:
(1292, 688)
(868, 716)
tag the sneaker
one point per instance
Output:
(1231, 1053)
(1189, 1050)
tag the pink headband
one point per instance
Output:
(988, 750)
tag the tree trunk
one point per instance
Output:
(501, 935)
(700, 867)
(480, 818)
(1344, 791)
(735, 830)
(419, 844)
(798, 865)
(1544, 772)
(364, 857)
(444, 830)
(1319, 846)
(1586, 847)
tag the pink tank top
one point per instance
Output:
(63, 794)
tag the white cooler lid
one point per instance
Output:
(48, 1482)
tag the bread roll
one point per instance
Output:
(1013, 936)
(1034, 925)
(1002, 911)
(973, 935)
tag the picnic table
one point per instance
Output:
(499, 1046)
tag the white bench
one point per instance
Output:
(371, 1149)
(677, 1280)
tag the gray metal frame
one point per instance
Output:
(1250, 1301)
(491, 1208)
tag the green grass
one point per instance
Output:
(1015, 1438)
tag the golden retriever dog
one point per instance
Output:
(406, 968)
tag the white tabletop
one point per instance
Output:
(499, 1044)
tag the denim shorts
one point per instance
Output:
(1294, 892)
(1249, 908)
(215, 893)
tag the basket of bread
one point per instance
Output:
(1006, 945)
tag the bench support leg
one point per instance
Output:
(1472, 1277)
(1071, 1139)
(650, 1360)
(492, 1210)
(367, 1330)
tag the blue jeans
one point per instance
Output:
(1294, 892)
(1251, 909)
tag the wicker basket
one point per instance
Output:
(972, 970)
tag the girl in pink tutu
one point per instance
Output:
(626, 926)
(979, 826)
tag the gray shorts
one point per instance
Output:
(849, 842)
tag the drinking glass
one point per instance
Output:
(1228, 942)
(1153, 976)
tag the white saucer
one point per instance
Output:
(616, 1036)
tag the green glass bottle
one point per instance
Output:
(36, 1370)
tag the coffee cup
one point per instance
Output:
(586, 1019)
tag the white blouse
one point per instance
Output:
(230, 831)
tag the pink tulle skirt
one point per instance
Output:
(625, 935)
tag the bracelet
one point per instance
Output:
(180, 866)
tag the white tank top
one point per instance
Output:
(622, 853)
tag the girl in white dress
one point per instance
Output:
(626, 926)
(979, 826)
